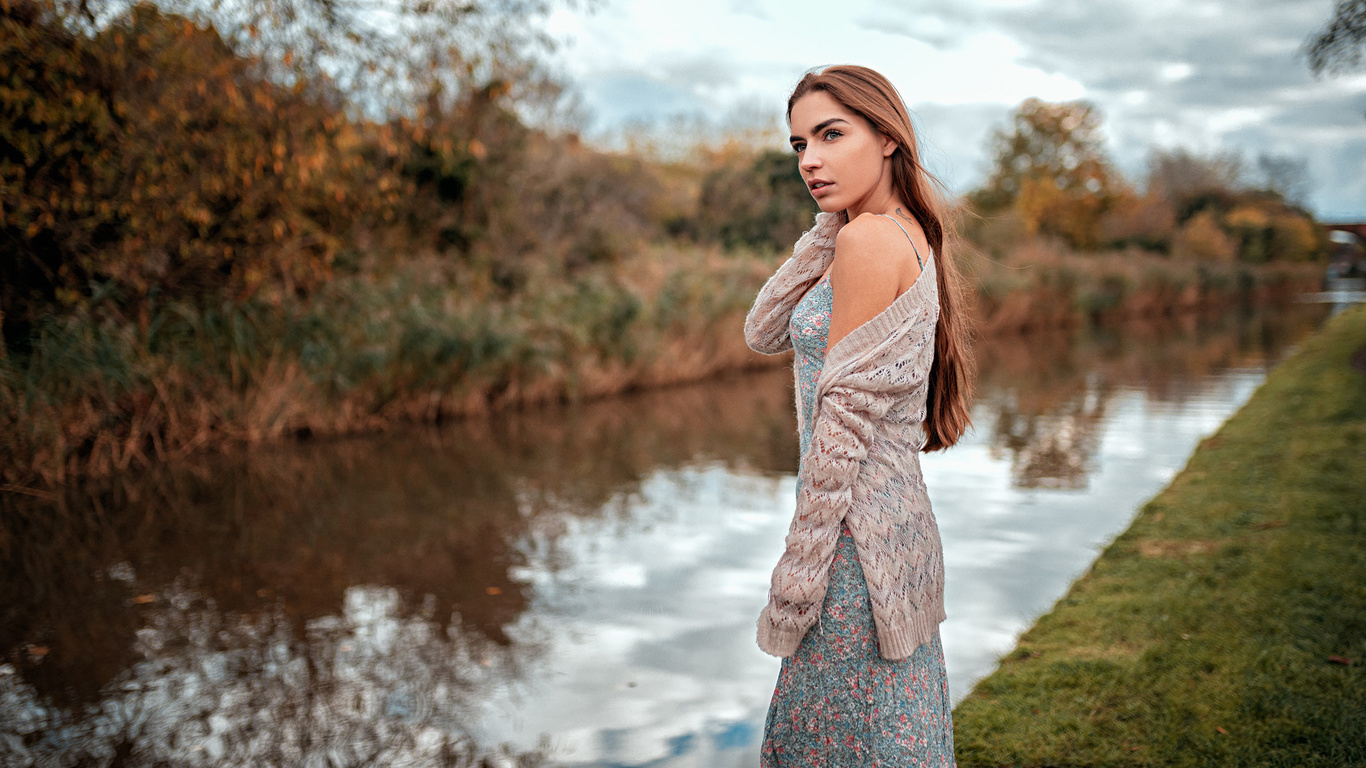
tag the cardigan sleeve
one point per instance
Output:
(841, 438)
(766, 325)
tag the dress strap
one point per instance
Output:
(908, 237)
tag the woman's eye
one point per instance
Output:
(832, 134)
(798, 148)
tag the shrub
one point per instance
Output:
(152, 156)
(1201, 239)
(1148, 222)
(764, 204)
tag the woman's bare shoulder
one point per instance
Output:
(866, 271)
(876, 247)
(872, 238)
(869, 228)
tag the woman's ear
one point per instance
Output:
(888, 146)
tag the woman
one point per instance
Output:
(869, 302)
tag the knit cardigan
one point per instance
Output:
(862, 465)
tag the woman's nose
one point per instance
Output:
(809, 161)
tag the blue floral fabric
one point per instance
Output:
(837, 703)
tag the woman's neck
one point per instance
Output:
(882, 199)
(888, 203)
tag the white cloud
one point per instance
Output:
(1175, 72)
(1163, 72)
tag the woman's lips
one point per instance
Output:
(820, 187)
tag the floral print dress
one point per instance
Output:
(837, 703)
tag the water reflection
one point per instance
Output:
(557, 587)
(354, 590)
(373, 684)
(1054, 449)
(1047, 395)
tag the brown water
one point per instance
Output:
(570, 586)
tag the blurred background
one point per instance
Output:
(336, 335)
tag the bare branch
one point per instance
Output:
(1339, 47)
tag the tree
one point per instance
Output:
(1338, 47)
(763, 205)
(1191, 182)
(384, 56)
(1225, 212)
(226, 149)
(153, 158)
(1051, 166)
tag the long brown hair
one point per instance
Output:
(867, 93)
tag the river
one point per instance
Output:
(568, 586)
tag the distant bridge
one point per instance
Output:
(1345, 280)
(1358, 229)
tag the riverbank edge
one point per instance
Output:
(1227, 625)
(100, 398)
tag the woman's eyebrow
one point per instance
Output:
(819, 127)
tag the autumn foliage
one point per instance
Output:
(150, 158)
(1051, 169)
(1052, 178)
(209, 236)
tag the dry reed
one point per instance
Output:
(98, 396)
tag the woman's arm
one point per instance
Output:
(766, 325)
(840, 441)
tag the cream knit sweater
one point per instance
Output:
(863, 462)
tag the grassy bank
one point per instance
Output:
(1227, 626)
(1044, 284)
(426, 342)
(430, 339)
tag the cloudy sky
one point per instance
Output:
(1203, 74)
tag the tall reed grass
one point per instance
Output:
(98, 394)
(427, 340)
(1044, 284)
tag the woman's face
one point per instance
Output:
(843, 159)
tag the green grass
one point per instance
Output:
(1212, 631)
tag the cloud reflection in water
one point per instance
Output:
(579, 586)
